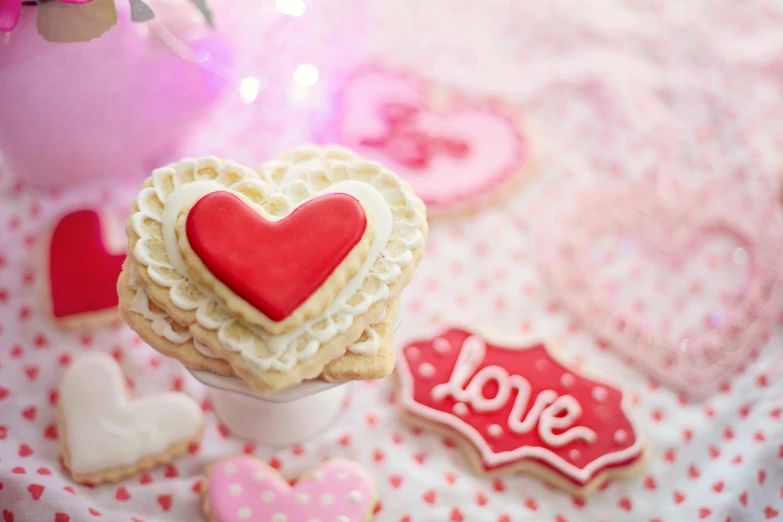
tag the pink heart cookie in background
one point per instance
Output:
(515, 408)
(84, 260)
(601, 249)
(245, 488)
(455, 151)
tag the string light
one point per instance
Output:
(306, 75)
(201, 56)
(293, 8)
(248, 89)
(739, 256)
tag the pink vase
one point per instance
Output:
(110, 107)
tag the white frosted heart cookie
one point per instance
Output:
(105, 436)
(233, 254)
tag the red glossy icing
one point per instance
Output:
(409, 145)
(274, 265)
(82, 274)
(543, 372)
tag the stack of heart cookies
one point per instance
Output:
(276, 275)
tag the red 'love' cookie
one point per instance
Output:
(82, 273)
(516, 408)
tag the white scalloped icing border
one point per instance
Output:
(279, 187)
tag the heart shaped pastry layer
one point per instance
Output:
(105, 436)
(244, 488)
(371, 356)
(159, 330)
(274, 265)
(306, 293)
(170, 275)
(455, 152)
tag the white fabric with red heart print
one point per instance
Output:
(621, 91)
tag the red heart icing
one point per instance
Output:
(79, 287)
(274, 265)
(516, 403)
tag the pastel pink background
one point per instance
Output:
(619, 91)
(104, 109)
(685, 283)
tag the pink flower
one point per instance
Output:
(10, 9)
(9, 14)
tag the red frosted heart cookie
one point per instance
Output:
(82, 273)
(274, 265)
(288, 273)
(514, 407)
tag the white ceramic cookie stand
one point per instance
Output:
(275, 418)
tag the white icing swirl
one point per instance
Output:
(369, 346)
(204, 350)
(160, 321)
(277, 190)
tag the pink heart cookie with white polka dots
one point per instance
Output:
(455, 151)
(243, 488)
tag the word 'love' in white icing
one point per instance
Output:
(549, 411)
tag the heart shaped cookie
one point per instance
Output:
(279, 271)
(610, 242)
(82, 294)
(371, 356)
(158, 329)
(456, 152)
(290, 269)
(244, 488)
(107, 437)
(298, 253)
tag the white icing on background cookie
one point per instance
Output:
(103, 429)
